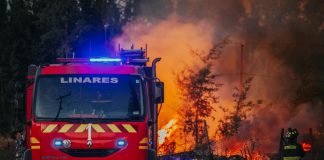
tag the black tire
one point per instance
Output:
(152, 155)
(27, 155)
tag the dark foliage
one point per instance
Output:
(39, 31)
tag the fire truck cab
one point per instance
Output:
(97, 108)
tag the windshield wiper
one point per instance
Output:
(60, 99)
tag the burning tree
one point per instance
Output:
(230, 125)
(168, 147)
(198, 88)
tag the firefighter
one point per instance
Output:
(292, 150)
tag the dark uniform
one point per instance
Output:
(292, 150)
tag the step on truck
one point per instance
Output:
(93, 109)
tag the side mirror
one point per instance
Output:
(28, 123)
(158, 92)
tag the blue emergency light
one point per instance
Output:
(121, 143)
(58, 143)
(105, 60)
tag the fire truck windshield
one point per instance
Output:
(101, 97)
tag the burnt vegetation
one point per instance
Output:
(230, 124)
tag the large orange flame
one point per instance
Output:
(167, 130)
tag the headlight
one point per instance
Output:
(67, 143)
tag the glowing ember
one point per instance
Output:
(167, 130)
(306, 147)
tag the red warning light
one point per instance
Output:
(306, 147)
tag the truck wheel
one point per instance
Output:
(27, 155)
(152, 155)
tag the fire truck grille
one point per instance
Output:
(89, 152)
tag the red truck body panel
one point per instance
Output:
(105, 139)
(90, 69)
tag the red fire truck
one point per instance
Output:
(97, 108)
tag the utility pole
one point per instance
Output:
(241, 68)
(312, 143)
(281, 143)
(209, 150)
(196, 130)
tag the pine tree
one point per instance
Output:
(3, 24)
(57, 22)
(16, 44)
(3, 68)
(198, 88)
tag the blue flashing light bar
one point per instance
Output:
(58, 143)
(105, 60)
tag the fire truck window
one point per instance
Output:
(91, 96)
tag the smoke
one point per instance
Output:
(281, 58)
(283, 52)
(171, 39)
(264, 126)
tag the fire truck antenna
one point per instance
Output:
(90, 48)
(146, 50)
